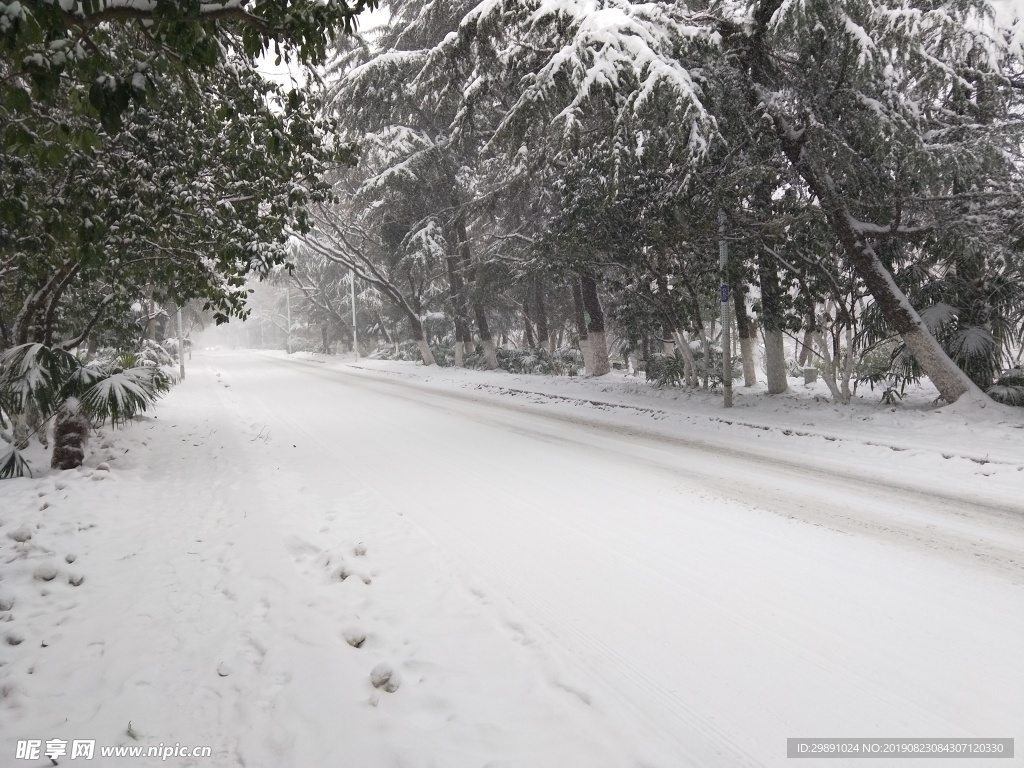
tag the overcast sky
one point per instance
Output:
(288, 72)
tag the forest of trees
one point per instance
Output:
(536, 185)
(561, 176)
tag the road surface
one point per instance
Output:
(547, 591)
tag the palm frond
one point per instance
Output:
(1009, 389)
(121, 396)
(33, 375)
(13, 464)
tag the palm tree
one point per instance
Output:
(39, 383)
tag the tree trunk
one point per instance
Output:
(486, 339)
(528, 339)
(829, 369)
(70, 432)
(425, 354)
(458, 300)
(595, 328)
(38, 425)
(689, 364)
(804, 355)
(151, 319)
(541, 316)
(20, 431)
(747, 336)
(666, 309)
(383, 329)
(749, 367)
(418, 336)
(667, 344)
(490, 353)
(947, 377)
(579, 316)
(772, 324)
(848, 363)
(775, 361)
(705, 344)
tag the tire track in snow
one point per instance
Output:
(992, 505)
(935, 530)
(508, 581)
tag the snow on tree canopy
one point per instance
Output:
(569, 53)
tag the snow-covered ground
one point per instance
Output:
(319, 562)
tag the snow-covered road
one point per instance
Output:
(546, 591)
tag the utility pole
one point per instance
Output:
(723, 264)
(181, 347)
(355, 340)
(288, 319)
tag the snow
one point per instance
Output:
(329, 562)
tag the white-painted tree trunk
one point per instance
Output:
(598, 354)
(181, 346)
(775, 361)
(490, 354)
(425, 354)
(588, 362)
(947, 377)
(705, 343)
(848, 365)
(747, 354)
(689, 364)
(828, 373)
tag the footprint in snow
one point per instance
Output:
(45, 572)
(20, 535)
(343, 572)
(386, 677)
(355, 637)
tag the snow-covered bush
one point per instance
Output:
(793, 367)
(872, 367)
(712, 367)
(39, 384)
(666, 370)
(565, 361)
(444, 352)
(1009, 388)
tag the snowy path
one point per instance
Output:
(547, 593)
